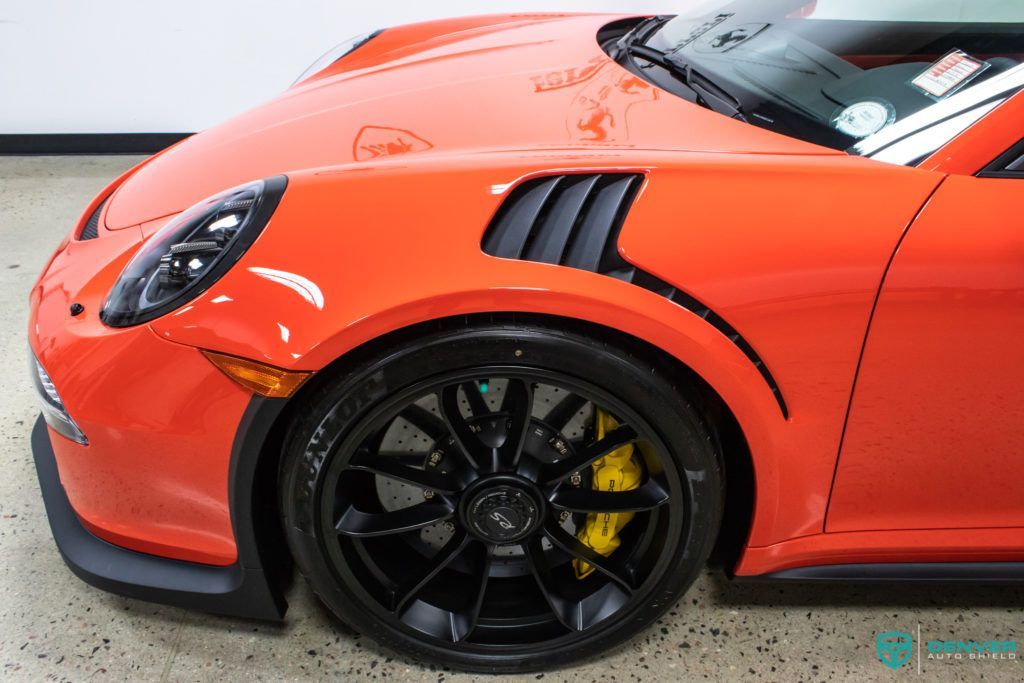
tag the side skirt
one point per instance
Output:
(910, 572)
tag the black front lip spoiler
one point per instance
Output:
(233, 590)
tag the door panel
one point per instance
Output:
(935, 437)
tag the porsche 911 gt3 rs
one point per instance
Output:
(497, 327)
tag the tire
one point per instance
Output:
(466, 590)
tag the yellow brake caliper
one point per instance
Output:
(620, 470)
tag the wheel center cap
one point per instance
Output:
(502, 514)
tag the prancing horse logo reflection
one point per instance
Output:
(599, 112)
(374, 142)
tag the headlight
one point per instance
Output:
(54, 412)
(336, 53)
(190, 253)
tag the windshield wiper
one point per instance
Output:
(639, 34)
(709, 93)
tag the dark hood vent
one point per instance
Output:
(574, 221)
(91, 230)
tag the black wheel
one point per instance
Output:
(443, 497)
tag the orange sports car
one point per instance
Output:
(497, 327)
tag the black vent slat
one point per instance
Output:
(624, 274)
(91, 229)
(553, 233)
(599, 221)
(516, 221)
(574, 221)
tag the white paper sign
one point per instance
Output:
(949, 74)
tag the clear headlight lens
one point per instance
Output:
(337, 52)
(54, 412)
(192, 252)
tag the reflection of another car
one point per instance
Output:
(496, 327)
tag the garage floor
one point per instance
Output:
(53, 626)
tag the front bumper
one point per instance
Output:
(160, 419)
(166, 500)
(231, 590)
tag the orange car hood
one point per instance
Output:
(505, 83)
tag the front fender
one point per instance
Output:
(356, 252)
(353, 254)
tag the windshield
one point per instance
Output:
(893, 79)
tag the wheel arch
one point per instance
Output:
(261, 510)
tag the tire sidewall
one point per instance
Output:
(336, 407)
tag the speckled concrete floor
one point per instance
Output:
(54, 627)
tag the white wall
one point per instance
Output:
(112, 66)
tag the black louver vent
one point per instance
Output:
(574, 221)
(570, 220)
(92, 226)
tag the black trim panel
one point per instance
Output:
(91, 230)
(574, 221)
(88, 143)
(910, 572)
(1010, 164)
(257, 525)
(240, 590)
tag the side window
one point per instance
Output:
(1008, 165)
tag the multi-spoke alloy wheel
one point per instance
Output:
(501, 498)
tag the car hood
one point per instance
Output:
(507, 83)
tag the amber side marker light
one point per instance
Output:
(265, 380)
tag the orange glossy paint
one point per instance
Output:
(937, 425)
(979, 145)
(479, 80)
(156, 413)
(380, 228)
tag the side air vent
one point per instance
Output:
(574, 221)
(91, 230)
(570, 220)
